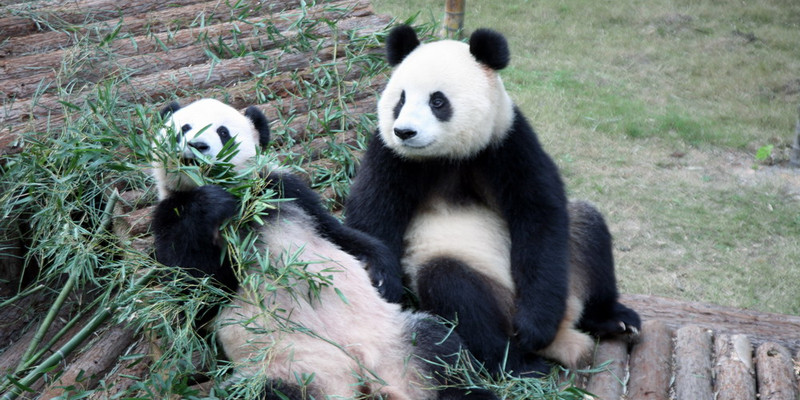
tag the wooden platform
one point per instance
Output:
(701, 352)
(688, 351)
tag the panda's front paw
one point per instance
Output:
(532, 331)
(217, 203)
(389, 287)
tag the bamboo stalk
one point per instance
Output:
(48, 321)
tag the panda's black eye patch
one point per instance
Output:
(224, 134)
(399, 105)
(440, 106)
(185, 128)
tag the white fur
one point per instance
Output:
(482, 110)
(472, 234)
(478, 236)
(342, 343)
(204, 116)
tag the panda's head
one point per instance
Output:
(444, 99)
(202, 130)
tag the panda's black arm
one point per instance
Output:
(186, 229)
(531, 196)
(383, 197)
(357, 243)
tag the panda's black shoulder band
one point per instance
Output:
(490, 48)
(402, 40)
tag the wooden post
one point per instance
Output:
(734, 368)
(795, 157)
(693, 364)
(775, 373)
(609, 384)
(453, 18)
(651, 363)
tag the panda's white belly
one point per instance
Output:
(471, 233)
(335, 337)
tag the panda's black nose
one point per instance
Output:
(200, 146)
(404, 133)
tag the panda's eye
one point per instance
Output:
(224, 134)
(186, 128)
(440, 106)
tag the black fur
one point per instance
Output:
(261, 123)
(602, 311)
(490, 48)
(169, 109)
(525, 185)
(186, 228)
(440, 106)
(449, 288)
(402, 40)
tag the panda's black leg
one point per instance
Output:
(450, 289)
(440, 347)
(591, 243)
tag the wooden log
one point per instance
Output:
(734, 371)
(126, 373)
(796, 366)
(609, 384)
(13, 355)
(651, 363)
(759, 326)
(16, 317)
(86, 370)
(693, 379)
(170, 19)
(66, 13)
(775, 371)
(145, 54)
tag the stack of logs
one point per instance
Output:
(694, 351)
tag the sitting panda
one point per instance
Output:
(457, 185)
(352, 342)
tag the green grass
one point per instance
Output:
(655, 111)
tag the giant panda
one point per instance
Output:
(456, 183)
(349, 341)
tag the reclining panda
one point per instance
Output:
(347, 337)
(457, 185)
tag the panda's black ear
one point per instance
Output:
(260, 122)
(402, 40)
(169, 109)
(490, 48)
